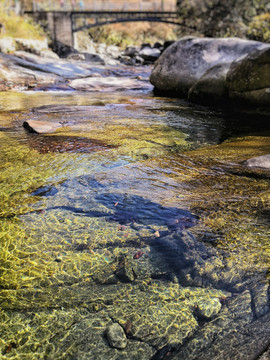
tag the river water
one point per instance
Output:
(138, 211)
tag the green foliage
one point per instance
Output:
(123, 34)
(259, 28)
(219, 18)
(18, 26)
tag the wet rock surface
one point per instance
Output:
(41, 127)
(24, 71)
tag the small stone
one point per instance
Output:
(125, 270)
(41, 127)
(116, 336)
(260, 298)
(259, 161)
(208, 309)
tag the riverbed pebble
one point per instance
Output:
(116, 336)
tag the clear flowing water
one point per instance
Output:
(138, 211)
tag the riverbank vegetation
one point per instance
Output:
(244, 19)
(137, 34)
(16, 26)
(259, 28)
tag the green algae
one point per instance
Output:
(159, 314)
(135, 141)
(237, 207)
(23, 171)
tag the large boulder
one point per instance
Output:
(248, 79)
(197, 69)
(211, 86)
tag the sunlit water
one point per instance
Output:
(139, 211)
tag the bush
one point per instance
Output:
(141, 32)
(18, 27)
(259, 28)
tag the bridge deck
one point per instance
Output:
(98, 18)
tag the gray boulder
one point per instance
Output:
(248, 79)
(196, 68)
(149, 54)
(131, 51)
(93, 58)
(212, 85)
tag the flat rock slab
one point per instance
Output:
(59, 67)
(41, 127)
(108, 84)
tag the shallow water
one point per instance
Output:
(140, 211)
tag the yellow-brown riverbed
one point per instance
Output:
(139, 211)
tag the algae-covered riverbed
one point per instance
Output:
(138, 211)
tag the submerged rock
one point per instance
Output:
(259, 161)
(116, 336)
(208, 309)
(125, 270)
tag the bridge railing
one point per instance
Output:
(104, 5)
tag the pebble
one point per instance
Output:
(116, 336)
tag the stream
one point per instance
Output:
(139, 211)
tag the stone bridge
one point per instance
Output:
(63, 24)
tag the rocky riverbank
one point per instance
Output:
(202, 70)
(26, 71)
(94, 67)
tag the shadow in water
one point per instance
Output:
(65, 144)
(128, 209)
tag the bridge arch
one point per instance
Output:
(63, 24)
(97, 24)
